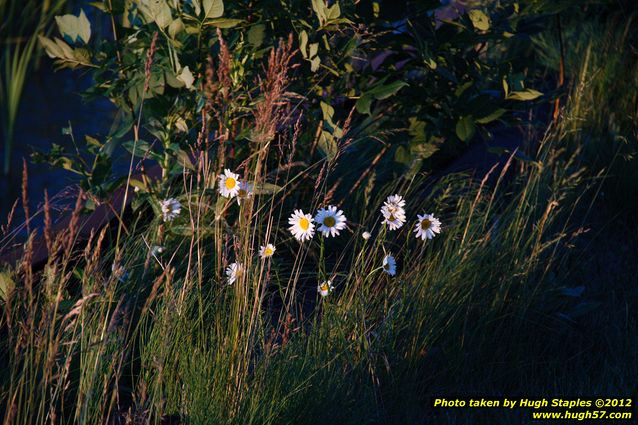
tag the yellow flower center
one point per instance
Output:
(425, 224)
(268, 252)
(304, 223)
(392, 217)
(324, 287)
(230, 183)
(329, 221)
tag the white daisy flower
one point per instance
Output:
(245, 191)
(301, 225)
(427, 226)
(390, 265)
(366, 235)
(325, 288)
(170, 209)
(228, 184)
(396, 200)
(267, 251)
(330, 221)
(234, 272)
(393, 212)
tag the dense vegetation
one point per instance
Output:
(178, 310)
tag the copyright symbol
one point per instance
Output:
(599, 402)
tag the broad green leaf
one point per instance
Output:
(327, 145)
(256, 35)
(363, 104)
(157, 11)
(186, 77)
(423, 150)
(141, 149)
(465, 128)
(52, 49)
(175, 27)
(6, 286)
(529, 94)
(479, 19)
(320, 10)
(77, 28)
(402, 156)
(314, 63)
(383, 92)
(416, 129)
(313, 49)
(333, 12)
(491, 117)
(213, 8)
(327, 110)
(65, 55)
(303, 42)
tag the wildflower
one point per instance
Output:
(156, 250)
(301, 225)
(393, 212)
(170, 209)
(267, 251)
(234, 272)
(427, 226)
(390, 265)
(228, 184)
(330, 221)
(245, 191)
(366, 235)
(325, 288)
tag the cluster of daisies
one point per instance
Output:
(329, 221)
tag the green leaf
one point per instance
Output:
(333, 12)
(383, 92)
(529, 94)
(156, 11)
(66, 56)
(223, 22)
(303, 42)
(175, 27)
(266, 189)
(416, 129)
(320, 10)
(327, 145)
(363, 104)
(314, 63)
(77, 28)
(313, 49)
(465, 128)
(491, 117)
(402, 156)
(186, 77)
(213, 8)
(256, 34)
(479, 19)
(141, 149)
(6, 286)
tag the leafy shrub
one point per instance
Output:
(406, 82)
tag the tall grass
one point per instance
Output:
(149, 335)
(128, 333)
(602, 108)
(22, 22)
